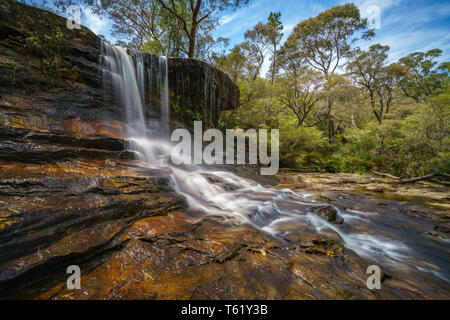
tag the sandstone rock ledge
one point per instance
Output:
(179, 257)
(132, 238)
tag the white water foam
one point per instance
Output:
(223, 194)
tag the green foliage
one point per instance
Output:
(254, 106)
(177, 28)
(422, 77)
(414, 145)
(235, 63)
(370, 71)
(187, 114)
(390, 117)
(426, 142)
(298, 142)
(275, 20)
(352, 122)
(413, 140)
(324, 40)
(49, 49)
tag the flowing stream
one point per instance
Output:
(237, 200)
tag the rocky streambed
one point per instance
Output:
(71, 193)
(134, 238)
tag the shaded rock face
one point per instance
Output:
(68, 94)
(197, 91)
(69, 190)
(46, 98)
(200, 92)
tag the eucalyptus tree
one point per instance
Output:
(212, 50)
(370, 71)
(193, 14)
(258, 44)
(325, 41)
(176, 27)
(233, 63)
(274, 33)
(301, 90)
(300, 87)
(423, 77)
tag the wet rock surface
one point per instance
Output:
(64, 213)
(329, 213)
(69, 190)
(133, 239)
(207, 260)
(425, 205)
(70, 194)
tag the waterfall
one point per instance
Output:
(164, 87)
(140, 77)
(150, 83)
(119, 72)
(236, 200)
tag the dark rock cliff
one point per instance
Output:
(68, 189)
(201, 90)
(31, 44)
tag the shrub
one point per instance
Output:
(49, 49)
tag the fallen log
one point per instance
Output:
(416, 179)
(386, 175)
(445, 183)
(427, 177)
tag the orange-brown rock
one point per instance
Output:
(212, 261)
(173, 223)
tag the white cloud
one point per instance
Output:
(419, 15)
(402, 44)
(229, 18)
(363, 5)
(94, 22)
(240, 13)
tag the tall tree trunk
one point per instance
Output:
(380, 98)
(274, 63)
(330, 122)
(191, 51)
(377, 116)
(192, 40)
(330, 129)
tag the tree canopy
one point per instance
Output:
(171, 27)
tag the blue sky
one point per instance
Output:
(406, 25)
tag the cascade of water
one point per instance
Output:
(237, 200)
(150, 82)
(118, 69)
(164, 82)
(140, 76)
